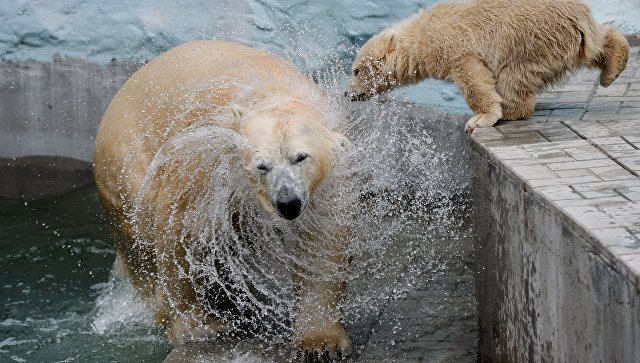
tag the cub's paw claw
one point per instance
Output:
(480, 120)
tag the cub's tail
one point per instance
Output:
(612, 60)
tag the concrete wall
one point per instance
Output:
(49, 116)
(55, 108)
(545, 292)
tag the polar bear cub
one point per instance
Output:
(500, 53)
(287, 151)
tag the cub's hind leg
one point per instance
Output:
(518, 91)
(520, 107)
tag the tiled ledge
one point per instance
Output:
(587, 165)
(557, 213)
(592, 180)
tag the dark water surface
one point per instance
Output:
(55, 259)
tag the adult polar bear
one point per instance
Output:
(287, 151)
(499, 53)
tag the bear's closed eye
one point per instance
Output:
(263, 167)
(300, 157)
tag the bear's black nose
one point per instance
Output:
(288, 204)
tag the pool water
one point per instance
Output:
(410, 294)
(55, 258)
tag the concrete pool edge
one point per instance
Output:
(557, 216)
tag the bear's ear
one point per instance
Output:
(391, 41)
(341, 145)
(236, 110)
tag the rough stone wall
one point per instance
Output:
(545, 291)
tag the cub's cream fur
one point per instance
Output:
(500, 53)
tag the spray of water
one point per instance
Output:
(395, 193)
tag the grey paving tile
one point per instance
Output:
(634, 90)
(544, 104)
(573, 173)
(614, 172)
(631, 114)
(539, 113)
(605, 116)
(604, 105)
(612, 98)
(591, 129)
(542, 160)
(622, 127)
(573, 97)
(582, 164)
(624, 250)
(544, 147)
(565, 115)
(627, 213)
(633, 262)
(599, 193)
(589, 202)
(612, 140)
(591, 217)
(516, 127)
(562, 181)
(616, 89)
(616, 236)
(564, 134)
(487, 133)
(631, 193)
(632, 163)
(624, 184)
(632, 104)
(616, 147)
(511, 152)
(524, 138)
(559, 107)
(537, 118)
(531, 172)
(559, 192)
(585, 151)
(547, 96)
(634, 139)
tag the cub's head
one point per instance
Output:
(371, 72)
(289, 154)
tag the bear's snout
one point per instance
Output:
(287, 203)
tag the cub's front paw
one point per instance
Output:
(481, 120)
(322, 344)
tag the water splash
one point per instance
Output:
(398, 191)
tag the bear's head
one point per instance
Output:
(372, 71)
(289, 153)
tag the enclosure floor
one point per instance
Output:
(581, 151)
